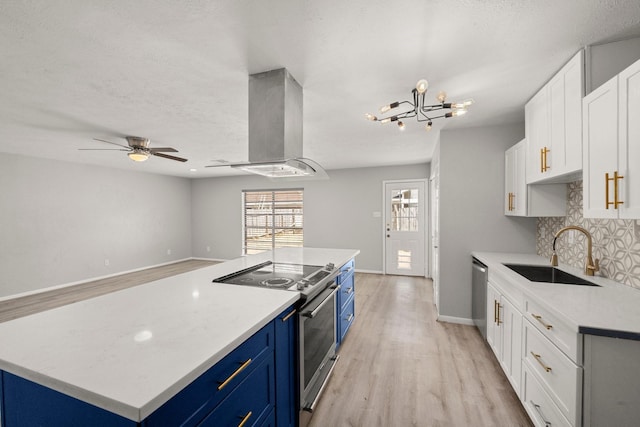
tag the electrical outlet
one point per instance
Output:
(572, 236)
(168, 251)
(106, 263)
(208, 248)
(543, 232)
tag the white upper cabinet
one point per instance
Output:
(553, 126)
(529, 200)
(611, 148)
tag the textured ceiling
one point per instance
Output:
(177, 71)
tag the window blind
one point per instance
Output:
(272, 219)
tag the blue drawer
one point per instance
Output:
(347, 316)
(347, 290)
(191, 405)
(345, 271)
(252, 402)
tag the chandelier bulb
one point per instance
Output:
(385, 120)
(422, 86)
(371, 117)
(463, 104)
(428, 126)
(400, 125)
(386, 108)
(442, 96)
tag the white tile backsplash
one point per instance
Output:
(615, 242)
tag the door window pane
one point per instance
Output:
(404, 210)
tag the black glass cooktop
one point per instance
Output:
(271, 275)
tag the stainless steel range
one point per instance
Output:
(316, 320)
(309, 280)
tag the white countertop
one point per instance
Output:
(612, 309)
(132, 350)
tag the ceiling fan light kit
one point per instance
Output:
(139, 150)
(420, 110)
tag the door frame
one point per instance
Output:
(426, 217)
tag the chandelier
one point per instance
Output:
(419, 110)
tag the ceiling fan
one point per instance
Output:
(138, 149)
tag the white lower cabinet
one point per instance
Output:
(539, 405)
(504, 334)
(539, 354)
(559, 376)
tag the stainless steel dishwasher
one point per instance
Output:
(479, 279)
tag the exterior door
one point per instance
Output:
(405, 228)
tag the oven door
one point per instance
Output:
(317, 345)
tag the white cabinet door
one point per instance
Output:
(520, 199)
(553, 124)
(504, 335)
(511, 359)
(573, 92)
(537, 131)
(600, 149)
(494, 338)
(629, 142)
(510, 181)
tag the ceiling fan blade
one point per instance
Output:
(166, 156)
(102, 149)
(109, 142)
(163, 149)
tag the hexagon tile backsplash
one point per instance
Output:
(616, 242)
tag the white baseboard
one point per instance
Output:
(209, 259)
(368, 271)
(451, 319)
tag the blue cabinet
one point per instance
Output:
(346, 300)
(25, 403)
(255, 383)
(286, 327)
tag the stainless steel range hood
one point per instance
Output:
(275, 129)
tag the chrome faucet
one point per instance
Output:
(590, 267)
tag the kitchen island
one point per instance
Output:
(131, 351)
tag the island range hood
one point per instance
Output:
(275, 129)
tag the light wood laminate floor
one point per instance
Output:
(23, 306)
(399, 367)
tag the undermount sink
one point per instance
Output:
(547, 274)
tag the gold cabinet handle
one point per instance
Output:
(232, 376)
(616, 200)
(350, 318)
(510, 201)
(288, 316)
(349, 290)
(245, 419)
(539, 359)
(495, 311)
(539, 319)
(541, 160)
(499, 320)
(513, 201)
(544, 152)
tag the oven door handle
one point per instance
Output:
(331, 291)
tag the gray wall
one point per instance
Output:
(603, 61)
(338, 213)
(59, 222)
(471, 209)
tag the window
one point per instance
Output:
(272, 219)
